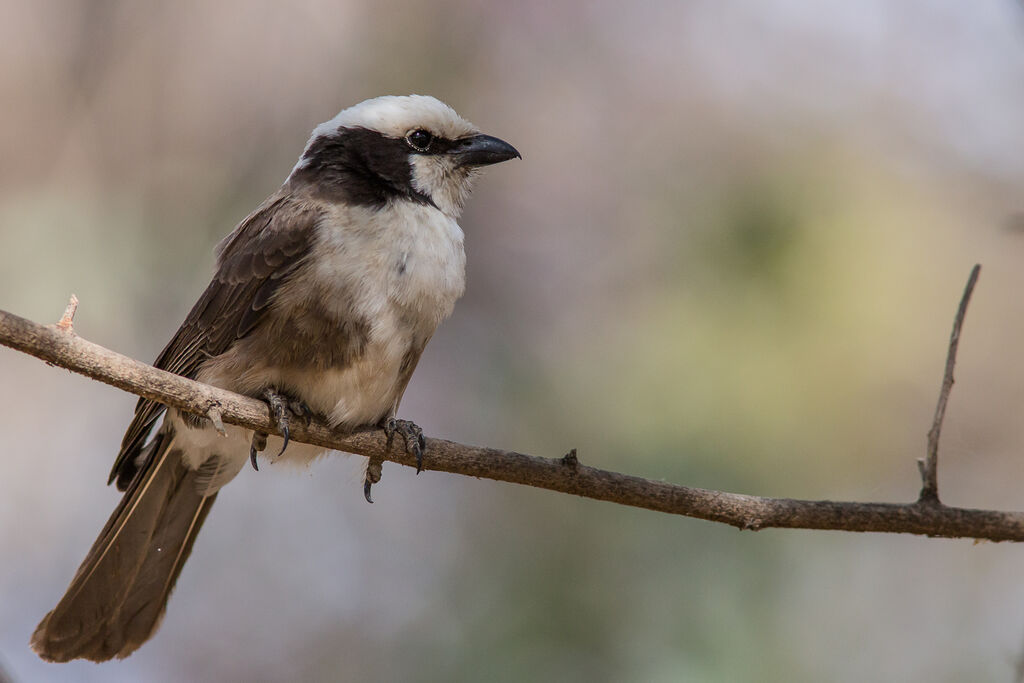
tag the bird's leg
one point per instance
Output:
(415, 443)
(282, 407)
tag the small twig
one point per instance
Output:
(67, 320)
(571, 460)
(929, 467)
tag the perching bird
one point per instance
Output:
(322, 302)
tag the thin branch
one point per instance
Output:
(930, 465)
(565, 474)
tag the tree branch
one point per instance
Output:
(59, 345)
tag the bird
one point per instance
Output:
(321, 303)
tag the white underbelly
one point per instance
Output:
(361, 393)
(358, 395)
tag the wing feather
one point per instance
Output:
(252, 262)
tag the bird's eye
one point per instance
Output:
(419, 140)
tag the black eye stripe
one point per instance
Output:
(361, 167)
(419, 140)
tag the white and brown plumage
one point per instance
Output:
(325, 295)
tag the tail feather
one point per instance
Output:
(117, 597)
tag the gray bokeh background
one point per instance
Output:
(730, 258)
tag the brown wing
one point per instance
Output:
(252, 263)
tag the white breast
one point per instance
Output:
(402, 268)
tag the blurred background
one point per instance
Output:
(730, 258)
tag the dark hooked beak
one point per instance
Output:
(482, 150)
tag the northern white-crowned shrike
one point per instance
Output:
(322, 302)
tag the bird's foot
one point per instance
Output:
(282, 408)
(411, 433)
(414, 444)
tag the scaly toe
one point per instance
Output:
(415, 442)
(280, 406)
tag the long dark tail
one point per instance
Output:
(115, 602)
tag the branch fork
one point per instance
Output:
(929, 465)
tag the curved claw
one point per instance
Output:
(259, 442)
(366, 490)
(283, 424)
